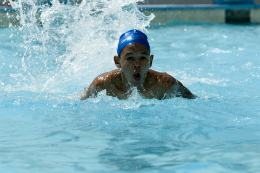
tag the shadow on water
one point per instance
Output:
(62, 136)
(125, 156)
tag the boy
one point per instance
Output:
(134, 62)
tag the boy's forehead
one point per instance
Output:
(135, 48)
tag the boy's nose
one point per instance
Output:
(135, 65)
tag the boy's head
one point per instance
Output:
(130, 37)
(134, 56)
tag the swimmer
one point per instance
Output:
(134, 62)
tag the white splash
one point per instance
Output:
(73, 43)
(135, 94)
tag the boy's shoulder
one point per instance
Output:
(163, 78)
(106, 78)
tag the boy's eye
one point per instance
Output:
(129, 58)
(143, 57)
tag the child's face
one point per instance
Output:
(135, 61)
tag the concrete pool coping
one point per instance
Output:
(166, 13)
(212, 13)
(162, 7)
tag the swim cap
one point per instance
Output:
(132, 36)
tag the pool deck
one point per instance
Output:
(167, 12)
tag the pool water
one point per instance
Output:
(45, 128)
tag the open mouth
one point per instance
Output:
(137, 76)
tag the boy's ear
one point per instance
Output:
(151, 60)
(117, 61)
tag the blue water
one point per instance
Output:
(45, 128)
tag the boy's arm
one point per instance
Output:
(185, 92)
(94, 88)
(177, 89)
(89, 92)
(173, 87)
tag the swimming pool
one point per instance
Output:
(44, 128)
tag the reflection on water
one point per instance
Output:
(175, 134)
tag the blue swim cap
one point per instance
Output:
(132, 36)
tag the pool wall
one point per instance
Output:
(213, 11)
(166, 11)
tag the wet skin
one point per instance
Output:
(134, 71)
